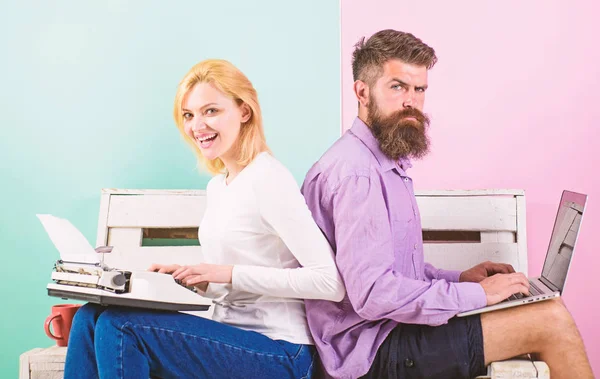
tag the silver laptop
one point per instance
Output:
(558, 258)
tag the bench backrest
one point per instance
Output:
(460, 228)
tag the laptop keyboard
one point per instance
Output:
(533, 291)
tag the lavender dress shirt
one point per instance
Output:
(365, 205)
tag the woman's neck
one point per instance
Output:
(233, 169)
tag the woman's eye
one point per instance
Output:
(187, 115)
(211, 111)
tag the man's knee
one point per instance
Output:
(554, 321)
(536, 324)
(556, 314)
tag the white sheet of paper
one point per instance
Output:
(69, 241)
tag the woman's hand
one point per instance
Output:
(202, 274)
(164, 269)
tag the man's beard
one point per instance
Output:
(398, 136)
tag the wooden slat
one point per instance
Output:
(102, 233)
(47, 366)
(458, 192)
(456, 256)
(47, 375)
(515, 368)
(51, 354)
(468, 213)
(43, 363)
(125, 191)
(479, 192)
(156, 211)
(24, 360)
(507, 237)
(125, 237)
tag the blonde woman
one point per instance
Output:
(262, 254)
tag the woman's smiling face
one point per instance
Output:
(213, 120)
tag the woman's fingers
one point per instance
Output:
(193, 280)
(162, 268)
(154, 267)
(179, 271)
(186, 271)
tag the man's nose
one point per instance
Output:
(409, 100)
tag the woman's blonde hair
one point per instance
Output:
(228, 79)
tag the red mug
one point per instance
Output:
(61, 319)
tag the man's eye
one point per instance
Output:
(420, 89)
(397, 87)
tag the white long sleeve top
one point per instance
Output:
(260, 223)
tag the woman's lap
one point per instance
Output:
(131, 341)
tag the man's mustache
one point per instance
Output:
(402, 114)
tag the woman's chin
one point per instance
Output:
(209, 155)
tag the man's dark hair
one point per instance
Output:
(368, 57)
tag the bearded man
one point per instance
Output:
(397, 319)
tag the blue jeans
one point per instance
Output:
(118, 342)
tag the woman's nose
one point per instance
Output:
(198, 124)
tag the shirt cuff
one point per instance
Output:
(209, 293)
(237, 277)
(449, 275)
(471, 296)
(243, 278)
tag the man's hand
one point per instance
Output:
(485, 270)
(500, 286)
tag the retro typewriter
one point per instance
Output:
(81, 274)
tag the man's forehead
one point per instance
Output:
(408, 73)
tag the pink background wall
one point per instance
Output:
(514, 104)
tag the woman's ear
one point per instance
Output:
(246, 112)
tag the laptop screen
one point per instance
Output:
(564, 236)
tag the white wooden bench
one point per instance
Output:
(460, 229)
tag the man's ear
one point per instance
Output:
(246, 112)
(361, 90)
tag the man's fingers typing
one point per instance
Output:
(501, 286)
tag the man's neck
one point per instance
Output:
(362, 115)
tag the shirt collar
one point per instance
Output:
(363, 133)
